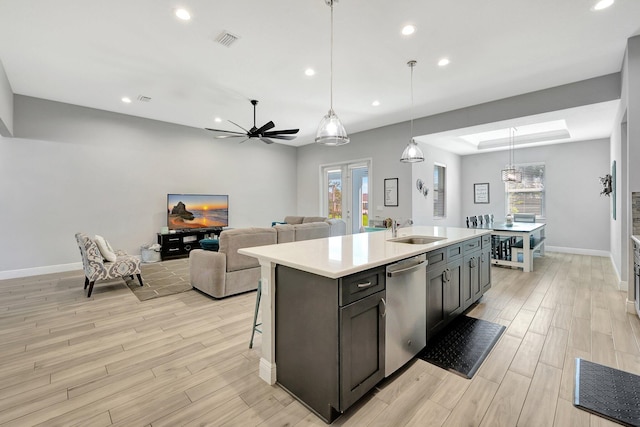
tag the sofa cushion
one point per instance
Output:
(308, 219)
(286, 232)
(312, 230)
(293, 219)
(232, 240)
(105, 249)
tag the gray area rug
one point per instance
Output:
(161, 279)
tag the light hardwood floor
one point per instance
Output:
(184, 359)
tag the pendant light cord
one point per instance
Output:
(411, 65)
(331, 62)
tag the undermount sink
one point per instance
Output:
(417, 240)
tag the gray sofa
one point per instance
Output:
(337, 227)
(226, 272)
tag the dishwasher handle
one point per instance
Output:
(407, 270)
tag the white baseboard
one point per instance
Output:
(36, 271)
(578, 251)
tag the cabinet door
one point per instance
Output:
(436, 316)
(471, 278)
(485, 270)
(453, 302)
(362, 338)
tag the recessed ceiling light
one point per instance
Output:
(217, 120)
(183, 14)
(126, 100)
(310, 72)
(407, 30)
(443, 62)
(603, 4)
(375, 103)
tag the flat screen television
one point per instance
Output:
(190, 211)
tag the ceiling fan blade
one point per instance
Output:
(266, 140)
(246, 139)
(246, 131)
(287, 137)
(225, 131)
(241, 135)
(284, 131)
(267, 126)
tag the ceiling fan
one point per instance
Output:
(264, 133)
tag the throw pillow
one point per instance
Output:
(105, 249)
(210, 244)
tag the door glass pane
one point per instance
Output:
(334, 184)
(360, 198)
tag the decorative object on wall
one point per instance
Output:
(412, 153)
(511, 173)
(330, 130)
(422, 188)
(613, 188)
(481, 193)
(391, 192)
(606, 185)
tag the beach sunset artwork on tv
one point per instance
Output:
(188, 211)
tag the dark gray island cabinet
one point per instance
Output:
(334, 324)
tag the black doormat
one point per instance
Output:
(463, 345)
(607, 392)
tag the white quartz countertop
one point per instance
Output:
(339, 256)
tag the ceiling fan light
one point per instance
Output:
(412, 153)
(331, 131)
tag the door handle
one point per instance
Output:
(383, 311)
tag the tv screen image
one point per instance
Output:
(185, 211)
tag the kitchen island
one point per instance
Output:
(333, 288)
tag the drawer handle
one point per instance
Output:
(173, 249)
(365, 284)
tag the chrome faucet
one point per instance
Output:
(395, 225)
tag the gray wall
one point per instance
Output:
(6, 104)
(73, 169)
(577, 216)
(384, 146)
(423, 206)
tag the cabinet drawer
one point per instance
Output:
(454, 252)
(486, 241)
(436, 259)
(472, 245)
(360, 285)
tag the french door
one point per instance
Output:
(345, 193)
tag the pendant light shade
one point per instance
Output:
(511, 173)
(412, 153)
(330, 130)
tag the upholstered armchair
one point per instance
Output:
(97, 268)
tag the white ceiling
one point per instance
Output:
(94, 52)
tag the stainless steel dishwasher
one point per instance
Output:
(406, 311)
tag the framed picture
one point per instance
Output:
(481, 193)
(391, 192)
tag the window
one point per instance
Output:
(439, 191)
(527, 196)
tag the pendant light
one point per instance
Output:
(412, 153)
(511, 174)
(330, 130)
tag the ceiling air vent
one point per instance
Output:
(225, 38)
(143, 98)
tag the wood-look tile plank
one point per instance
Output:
(568, 415)
(496, 364)
(506, 405)
(540, 405)
(526, 358)
(555, 347)
(473, 405)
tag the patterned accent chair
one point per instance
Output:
(96, 268)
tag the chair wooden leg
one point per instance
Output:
(139, 279)
(90, 288)
(86, 282)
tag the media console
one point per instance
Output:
(180, 243)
